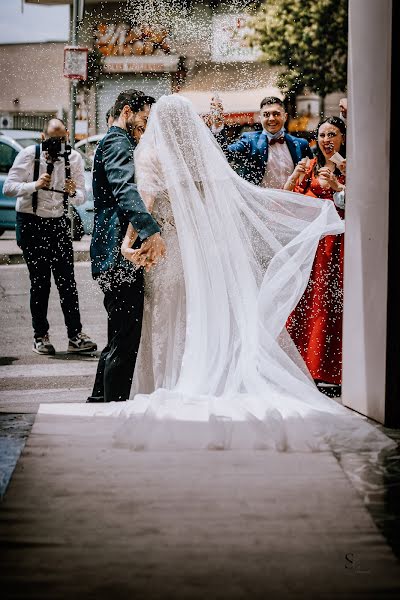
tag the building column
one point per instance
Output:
(372, 273)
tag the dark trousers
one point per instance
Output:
(47, 248)
(123, 301)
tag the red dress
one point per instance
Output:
(316, 323)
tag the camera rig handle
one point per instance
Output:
(49, 169)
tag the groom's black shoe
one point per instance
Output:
(95, 399)
(329, 389)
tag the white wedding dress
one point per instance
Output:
(164, 319)
(216, 368)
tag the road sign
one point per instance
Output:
(75, 62)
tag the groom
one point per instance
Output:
(118, 203)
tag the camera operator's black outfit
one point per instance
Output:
(43, 234)
(117, 202)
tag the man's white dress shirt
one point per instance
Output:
(279, 165)
(20, 183)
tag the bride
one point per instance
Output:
(216, 367)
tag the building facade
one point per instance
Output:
(194, 48)
(33, 87)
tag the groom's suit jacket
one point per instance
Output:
(116, 201)
(249, 154)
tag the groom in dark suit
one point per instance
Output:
(268, 157)
(118, 203)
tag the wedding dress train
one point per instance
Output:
(216, 368)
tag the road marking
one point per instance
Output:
(71, 369)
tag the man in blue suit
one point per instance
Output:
(117, 203)
(268, 157)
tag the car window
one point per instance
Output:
(28, 141)
(7, 157)
(88, 162)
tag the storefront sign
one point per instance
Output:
(228, 43)
(122, 40)
(140, 64)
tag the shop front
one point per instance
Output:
(136, 57)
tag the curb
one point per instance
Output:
(18, 259)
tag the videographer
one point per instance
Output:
(45, 178)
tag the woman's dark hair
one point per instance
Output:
(135, 99)
(341, 125)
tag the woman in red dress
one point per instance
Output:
(316, 323)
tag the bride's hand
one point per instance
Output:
(139, 260)
(129, 254)
(136, 259)
(150, 252)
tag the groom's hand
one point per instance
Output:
(149, 252)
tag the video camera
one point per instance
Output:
(56, 147)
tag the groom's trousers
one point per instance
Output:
(123, 301)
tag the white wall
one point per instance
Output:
(367, 207)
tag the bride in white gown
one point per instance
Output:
(216, 367)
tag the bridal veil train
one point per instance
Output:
(216, 367)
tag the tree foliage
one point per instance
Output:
(307, 39)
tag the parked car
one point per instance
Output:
(83, 214)
(24, 137)
(88, 145)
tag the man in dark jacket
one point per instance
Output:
(265, 158)
(118, 203)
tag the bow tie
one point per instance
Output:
(279, 140)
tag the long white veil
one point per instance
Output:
(247, 254)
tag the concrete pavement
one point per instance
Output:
(28, 378)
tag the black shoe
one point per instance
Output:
(95, 399)
(332, 390)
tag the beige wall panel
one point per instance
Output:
(33, 73)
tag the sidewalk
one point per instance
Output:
(10, 254)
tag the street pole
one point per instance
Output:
(74, 35)
(73, 84)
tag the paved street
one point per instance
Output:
(34, 375)
(27, 379)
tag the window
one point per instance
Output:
(7, 157)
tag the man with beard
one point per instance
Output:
(118, 203)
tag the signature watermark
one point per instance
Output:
(353, 563)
